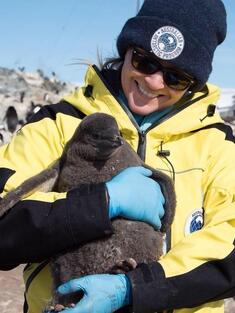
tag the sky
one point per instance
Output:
(54, 34)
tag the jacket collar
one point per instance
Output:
(186, 117)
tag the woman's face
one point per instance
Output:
(146, 93)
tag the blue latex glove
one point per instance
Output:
(104, 293)
(135, 196)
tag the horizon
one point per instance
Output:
(49, 35)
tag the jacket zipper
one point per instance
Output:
(141, 151)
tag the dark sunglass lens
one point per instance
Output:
(151, 67)
(175, 80)
(144, 64)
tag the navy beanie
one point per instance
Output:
(185, 33)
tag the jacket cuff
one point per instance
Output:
(150, 292)
(92, 221)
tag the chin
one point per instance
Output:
(141, 110)
(143, 107)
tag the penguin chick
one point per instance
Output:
(95, 154)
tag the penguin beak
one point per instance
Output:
(118, 140)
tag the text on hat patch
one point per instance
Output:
(167, 43)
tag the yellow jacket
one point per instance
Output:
(197, 151)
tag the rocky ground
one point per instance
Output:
(25, 92)
(11, 291)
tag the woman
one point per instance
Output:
(157, 91)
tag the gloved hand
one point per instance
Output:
(102, 293)
(133, 195)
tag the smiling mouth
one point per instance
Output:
(147, 93)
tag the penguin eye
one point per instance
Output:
(95, 136)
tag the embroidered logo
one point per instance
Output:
(194, 222)
(167, 43)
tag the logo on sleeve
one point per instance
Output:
(194, 221)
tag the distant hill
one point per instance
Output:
(227, 98)
(226, 104)
(24, 92)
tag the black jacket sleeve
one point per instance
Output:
(152, 291)
(32, 232)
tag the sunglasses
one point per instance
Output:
(146, 64)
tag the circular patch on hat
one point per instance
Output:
(167, 43)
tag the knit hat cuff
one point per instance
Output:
(139, 30)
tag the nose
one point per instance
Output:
(155, 81)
